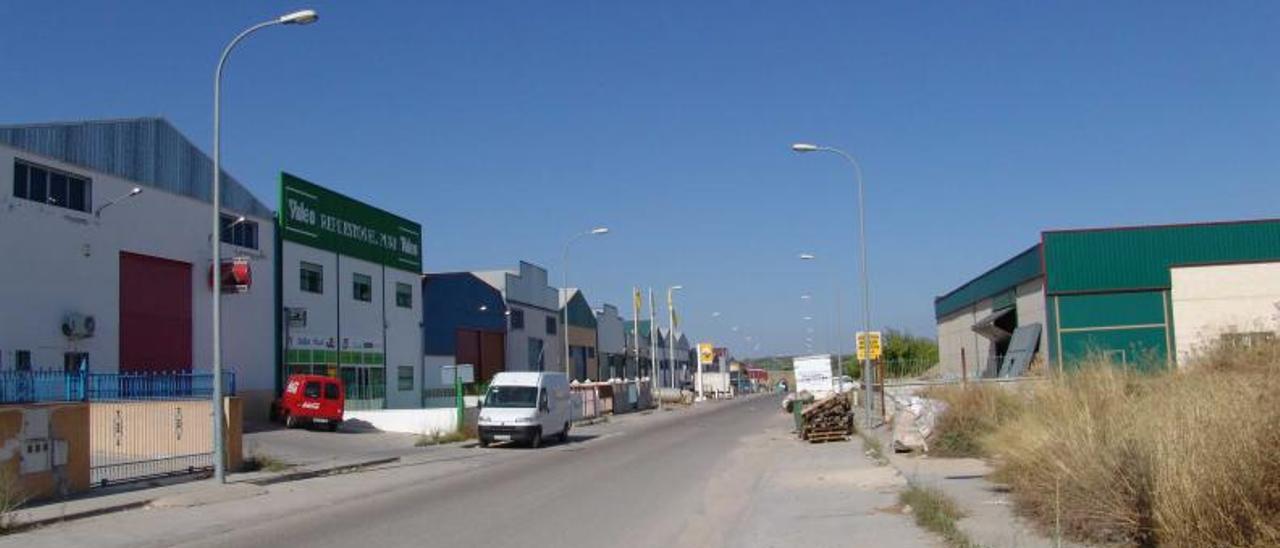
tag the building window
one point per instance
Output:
(239, 233)
(22, 360)
(591, 352)
(50, 186)
(312, 278)
(517, 318)
(74, 362)
(551, 325)
(362, 287)
(404, 295)
(404, 378)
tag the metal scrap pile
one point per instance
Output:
(828, 419)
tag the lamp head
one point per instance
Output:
(807, 256)
(677, 287)
(804, 147)
(303, 17)
(599, 230)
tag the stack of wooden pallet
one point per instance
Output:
(828, 419)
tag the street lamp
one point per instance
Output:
(303, 17)
(671, 332)
(136, 191)
(598, 231)
(862, 265)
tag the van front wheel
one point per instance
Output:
(535, 441)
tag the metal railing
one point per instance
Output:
(35, 386)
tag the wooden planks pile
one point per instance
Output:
(828, 419)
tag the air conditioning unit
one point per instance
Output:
(78, 326)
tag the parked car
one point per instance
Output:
(315, 399)
(526, 407)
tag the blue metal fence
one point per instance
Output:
(55, 386)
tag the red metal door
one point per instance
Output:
(155, 314)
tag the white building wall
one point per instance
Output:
(955, 334)
(609, 331)
(57, 261)
(1211, 300)
(335, 319)
(404, 339)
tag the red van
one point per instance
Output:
(314, 398)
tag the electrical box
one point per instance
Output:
(36, 456)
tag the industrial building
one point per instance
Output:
(1144, 297)
(350, 279)
(533, 324)
(464, 320)
(611, 345)
(105, 232)
(580, 322)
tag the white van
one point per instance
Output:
(525, 407)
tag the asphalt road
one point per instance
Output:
(722, 474)
(637, 489)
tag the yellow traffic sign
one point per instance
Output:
(706, 353)
(874, 341)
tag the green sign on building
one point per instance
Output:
(317, 217)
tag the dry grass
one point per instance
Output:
(973, 412)
(437, 438)
(934, 511)
(11, 498)
(1187, 458)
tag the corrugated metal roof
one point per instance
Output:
(1007, 275)
(148, 151)
(1133, 258)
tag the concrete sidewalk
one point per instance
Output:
(989, 517)
(816, 494)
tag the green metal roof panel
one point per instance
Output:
(1022, 267)
(1140, 257)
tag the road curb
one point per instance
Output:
(23, 525)
(343, 468)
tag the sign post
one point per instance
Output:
(706, 356)
(869, 350)
(457, 375)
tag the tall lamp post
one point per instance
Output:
(862, 265)
(303, 17)
(671, 332)
(598, 231)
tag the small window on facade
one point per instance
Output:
(50, 186)
(239, 233)
(73, 362)
(312, 278)
(22, 360)
(20, 180)
(551, 325)
(517, 318)
(591, 352)
(404, 295)
(404, 378)
(362, 287)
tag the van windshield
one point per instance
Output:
(511, 396)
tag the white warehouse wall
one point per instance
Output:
(58, 261)
(1215, 299)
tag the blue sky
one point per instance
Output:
(506, 127)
